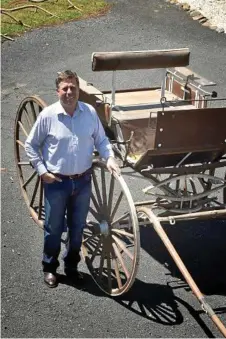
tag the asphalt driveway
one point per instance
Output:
(159, 304)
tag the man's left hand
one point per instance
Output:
(112, 166)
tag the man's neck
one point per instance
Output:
(69, 109)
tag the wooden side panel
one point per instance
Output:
(191, 130)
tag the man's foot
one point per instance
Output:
(75, 276)
(50, 279)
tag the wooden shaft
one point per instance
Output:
(159, 229)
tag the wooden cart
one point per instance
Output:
(173, 135)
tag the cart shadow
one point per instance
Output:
(201, 246)
(158, 304)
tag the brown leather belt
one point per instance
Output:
(73, 176)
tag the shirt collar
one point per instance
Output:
(60, 110)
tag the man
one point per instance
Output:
(60, 147)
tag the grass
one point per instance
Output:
(35, 18)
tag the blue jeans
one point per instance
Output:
(71, 196)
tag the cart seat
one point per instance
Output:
(132, 105)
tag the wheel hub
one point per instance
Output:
(104, 228)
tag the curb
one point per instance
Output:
(196, 15)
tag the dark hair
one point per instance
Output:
(61, 76)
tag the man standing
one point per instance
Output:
(60, 147)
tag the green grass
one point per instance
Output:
(37, 18)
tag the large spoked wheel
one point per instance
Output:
(111, 243)
(30, 183)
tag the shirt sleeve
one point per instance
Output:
(34, 142)
(101, 141)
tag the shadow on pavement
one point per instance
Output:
(201, 246)
(154, 302)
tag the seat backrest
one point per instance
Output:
(131, 60)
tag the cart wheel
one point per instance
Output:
(30, 183)
(185, 193)
(224, 192)
(111, 243)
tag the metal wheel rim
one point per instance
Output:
(103, 243)
(30, 115)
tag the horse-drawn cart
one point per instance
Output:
(173, 135)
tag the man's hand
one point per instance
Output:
(112, 166)
(49, 178)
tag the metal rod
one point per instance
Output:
(193, 100)
(189, 216)
(112, 96)
(163, 84)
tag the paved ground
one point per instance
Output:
(158, 305)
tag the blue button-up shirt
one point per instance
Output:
(64, 144)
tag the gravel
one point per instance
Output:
(213, 10)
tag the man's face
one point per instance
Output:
(68, 92)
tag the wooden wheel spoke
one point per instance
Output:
(104, 195)
(33, 111)
(88, 246)
(193, 186)
(123, 247)
(20, 143)
(24, 163)
(40, 199)
(97, 189)
(23, 129)
(35, 191)
(90, 237)
(30, 179)
(126, 234)
(203, 184)
(116, 269)
(96, 250)
(111, 191)
(109, 272)
(118, 254)
(123, 217)
(27, 117)
(98, 209)
(116, 205)
(102, 258)
(94, 213)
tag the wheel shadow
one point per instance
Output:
(201, 246)
(154, 302)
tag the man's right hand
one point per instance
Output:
(49, 178)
